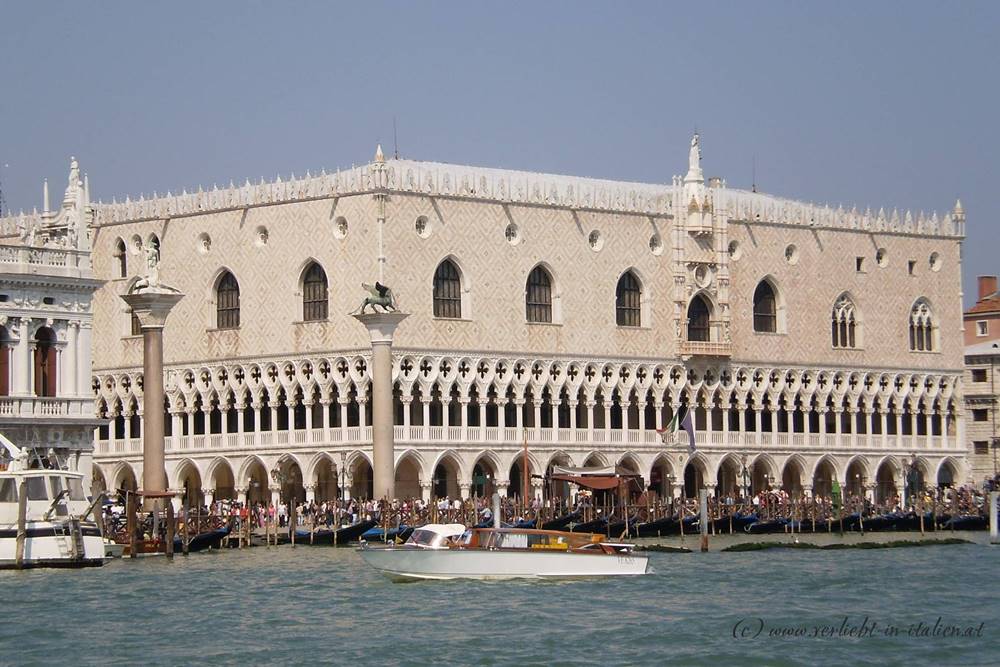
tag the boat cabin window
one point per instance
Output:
(426, 538)
(36, 489)
(512, 540)
(75, 486)
(8, 490)
(57, 485)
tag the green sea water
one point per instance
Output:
(307, 606)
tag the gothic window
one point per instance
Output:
(538, 298)
(765, 308)
(121, 260)
(447, 291)
(843, 323)
(315, 298)
(4, 362)
(628, 301)
(45, 362)
(227, 302)
(699, 315)
(921, 328)
(136, 327)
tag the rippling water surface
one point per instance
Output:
(304, 605)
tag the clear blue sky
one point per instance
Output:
(875, 104)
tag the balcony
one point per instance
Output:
(705, 348)
(33, 407)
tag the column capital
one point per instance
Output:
(381, 326)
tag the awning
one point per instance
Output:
(591, 481)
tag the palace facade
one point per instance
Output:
(577, 315)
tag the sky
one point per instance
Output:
(885, 104)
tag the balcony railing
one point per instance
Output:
(706, 348)
(486, 437)
(31, 258)
(33, 407)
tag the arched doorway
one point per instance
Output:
(189, 479)
(326, 485)
(258, 487)
(125, 480)
(484, 475)
(694, 479)
(445, 481)
(823, 479)
(885, 483)
(292, 490)
(761, 478)
(947, 474)
(515, 488)
(661, 477)
(856, 479)
(223, 481)
(791, 478)
(556, 490)
(408, 477)
(728, 478)
(362, 482)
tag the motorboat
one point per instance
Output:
(43, 515)
(450, 551)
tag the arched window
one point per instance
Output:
(136, 326)
(699, 316)
(447, 291)
(4, 361)
(227, 302)
(121, 261)
(921, 328)
(843, 323)
(538, 296)
(628, 301)
(45, 362)
(765, 308)
(315, 298)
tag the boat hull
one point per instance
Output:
(50, 544)
(414, 564)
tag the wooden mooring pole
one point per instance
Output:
(22, 523)
(168, 543)
(130, 523)
(704, 519)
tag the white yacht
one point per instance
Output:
(42, 515)
(450, 551)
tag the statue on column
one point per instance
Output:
(694, 156)
(379, 296)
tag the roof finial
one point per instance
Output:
(694, 174)
(958, 207)
(379, 157)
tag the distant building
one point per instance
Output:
(982, 382)
(46, 315)
(813, 344)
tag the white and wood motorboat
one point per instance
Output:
(43, 516)
(451, 551)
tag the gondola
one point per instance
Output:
(339, 537)
(660, 527)
(965, 522)
(208, 540)
(739, 523)
(377, 534)
(767, 527)
(561, 522)
(595, 526)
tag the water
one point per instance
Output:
(323, 605)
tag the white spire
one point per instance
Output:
(45, 196)
(379, 157)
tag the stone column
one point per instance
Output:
(151, 306)
(83, 359)
(68, 369)
(21, 361)
(425, 491)
(381, 327)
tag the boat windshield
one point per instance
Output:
(426, 538)
(36, 488)
(8, 490)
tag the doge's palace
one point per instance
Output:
(812, 343)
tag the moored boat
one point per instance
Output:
(338, 538)
(437, 551)
(43, 516)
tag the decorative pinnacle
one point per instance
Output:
(379, 157)
(958, 207)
